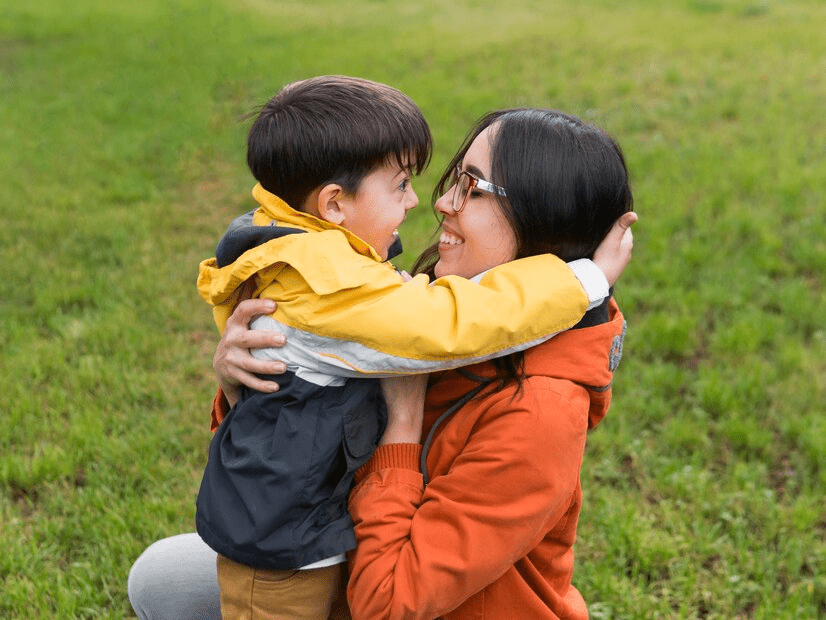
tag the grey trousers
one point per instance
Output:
(176, 579)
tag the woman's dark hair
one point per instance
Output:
(566, 184)
(334, 129)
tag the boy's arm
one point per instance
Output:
(514, 308)
(384, 327)
(404, 328)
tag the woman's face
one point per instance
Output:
(479, 237)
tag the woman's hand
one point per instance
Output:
(234, 364)
(405, 408)
(614, 253)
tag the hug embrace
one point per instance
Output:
(417, 440)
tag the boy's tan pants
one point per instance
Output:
(261, 594)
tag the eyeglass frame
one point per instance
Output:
(473, 182)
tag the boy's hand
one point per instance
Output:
(614, 252)
(405, 408)
(234, 364)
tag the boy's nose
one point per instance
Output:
(414, 200)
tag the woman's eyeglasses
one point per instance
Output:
(464, 182)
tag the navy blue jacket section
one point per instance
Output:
(274, 492)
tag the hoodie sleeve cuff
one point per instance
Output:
(392, 456)
(592, 280)
(220, 409)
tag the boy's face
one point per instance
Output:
(379, 206)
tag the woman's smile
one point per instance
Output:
(448, 237)
(479, 236)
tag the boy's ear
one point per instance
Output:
(329, 204)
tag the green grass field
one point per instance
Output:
(122, 160)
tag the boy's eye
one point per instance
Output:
(404, 184)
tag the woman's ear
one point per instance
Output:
(329, 203)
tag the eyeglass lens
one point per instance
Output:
(461, 191)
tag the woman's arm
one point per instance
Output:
(614, 252)
(422, 553)
(234, 364)
(405, 408)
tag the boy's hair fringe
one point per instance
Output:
(334, 129)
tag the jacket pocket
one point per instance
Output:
(363, 424)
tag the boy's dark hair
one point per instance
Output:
(334, 129)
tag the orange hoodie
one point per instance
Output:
(491, 536)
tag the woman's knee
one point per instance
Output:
(175, 579)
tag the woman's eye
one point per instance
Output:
(476, 194)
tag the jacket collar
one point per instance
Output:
(275, 212)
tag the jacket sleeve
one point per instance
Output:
(423, 553)
(379, 326)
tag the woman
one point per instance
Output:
(565, 184)
(480, 521)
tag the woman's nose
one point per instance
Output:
(444, 204)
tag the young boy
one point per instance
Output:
(333, 157)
